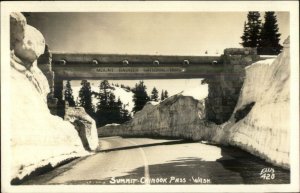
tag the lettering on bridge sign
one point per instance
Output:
(140, 70)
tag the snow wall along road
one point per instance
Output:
(260, 123)
(37, 137)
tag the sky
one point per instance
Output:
(164, 33)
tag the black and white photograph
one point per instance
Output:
(186, 96)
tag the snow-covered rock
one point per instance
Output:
(37, 137)
(265, 130)
(85, 125)
(32, 46)
(17, 28)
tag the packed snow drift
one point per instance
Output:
(177, 116)
(260, 123)
(37, 137)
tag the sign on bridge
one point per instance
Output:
(140, 70)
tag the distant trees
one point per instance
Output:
(140, 97)
(68, 93)
(264, 37)
(164, 95)
(154, 95)
(85, 98)
(110, 109)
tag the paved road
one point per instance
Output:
(157, 161)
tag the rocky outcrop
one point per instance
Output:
(38, 138)
(177, 117)
(85, 126)
(264, 103)
(44, 64)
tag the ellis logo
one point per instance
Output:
(267, 174)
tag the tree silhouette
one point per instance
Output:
(68, 93)
(162, 95)
(252, 29)
(85, 98)
(166, 94)
(154, 95)
(125, 115)
(270, 37)
(140, 97)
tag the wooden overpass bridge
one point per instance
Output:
(109, 66)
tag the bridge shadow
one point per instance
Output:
(174, 142)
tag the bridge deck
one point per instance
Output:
(136, 72)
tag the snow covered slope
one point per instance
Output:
(265, 130)
(37, 137)
(125, 96)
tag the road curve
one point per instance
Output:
(160, 161)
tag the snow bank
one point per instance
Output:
(85, 125)
(37, 137)
(177, 116)
(264, 131)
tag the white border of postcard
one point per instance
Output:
(147, 6)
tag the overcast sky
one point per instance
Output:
(185, 33)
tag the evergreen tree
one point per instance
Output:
(140, 97)
(125, 116)
(109, 110)
(154, 95)
(69, 94)
(85, 97)
(269, 44)
(166, 94)
(252, 29)
(162, 95)
(102, 105)
(114, 109)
